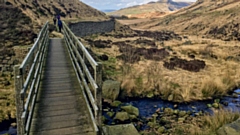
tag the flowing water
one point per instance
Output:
(147, 107)
(4, 125)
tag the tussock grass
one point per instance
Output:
(147, 77)
(210, 124)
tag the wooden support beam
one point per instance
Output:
(19, 103)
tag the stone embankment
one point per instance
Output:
(87, 28)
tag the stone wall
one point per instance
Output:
(87, 28)
(8, 59)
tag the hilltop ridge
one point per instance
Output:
(214, 19)
(151, 9)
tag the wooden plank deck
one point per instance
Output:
(60, 107)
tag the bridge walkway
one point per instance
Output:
(60, 108)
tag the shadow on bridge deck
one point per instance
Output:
(60, 107)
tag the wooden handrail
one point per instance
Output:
(27, 80)
(89, 80)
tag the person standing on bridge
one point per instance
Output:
(59, 25)
(58, 17)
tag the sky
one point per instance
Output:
(118, 4)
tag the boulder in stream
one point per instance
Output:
(122, 116)
(131, 110)
(116, 103)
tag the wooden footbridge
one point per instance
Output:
(58, 88)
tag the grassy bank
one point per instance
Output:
(150, 78)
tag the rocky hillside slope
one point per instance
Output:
(151, 10)
(214, 19)
(19, 16)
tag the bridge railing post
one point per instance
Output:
(99, 96)
(19, 102)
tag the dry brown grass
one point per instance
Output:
(218, 77)
(210, 124)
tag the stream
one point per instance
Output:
(147, 107)
(4, 126)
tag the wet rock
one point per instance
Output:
(110, 114)
(110, 89)
(215, 105)
(189, 112)
(116, 103)
(175, 106)
(230, 129)
(176, 112)
(151, 124)
(225, 103)
(182, 113)
(209, 105)
(161, 130)
(132, 117)
(196, 114)
(131, 110)
(122, 116)
(168, 111)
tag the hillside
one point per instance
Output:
(192, 54)
(151, 10)
(214, 19)
(31, 15)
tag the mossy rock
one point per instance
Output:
(168, 111)
(215, 105)
(122, 116)
(151, 124)
(209, 105)
(131, 110)
(110, 114)
(161, 129)
(182, 113)
(116, 103)
(132, 117)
